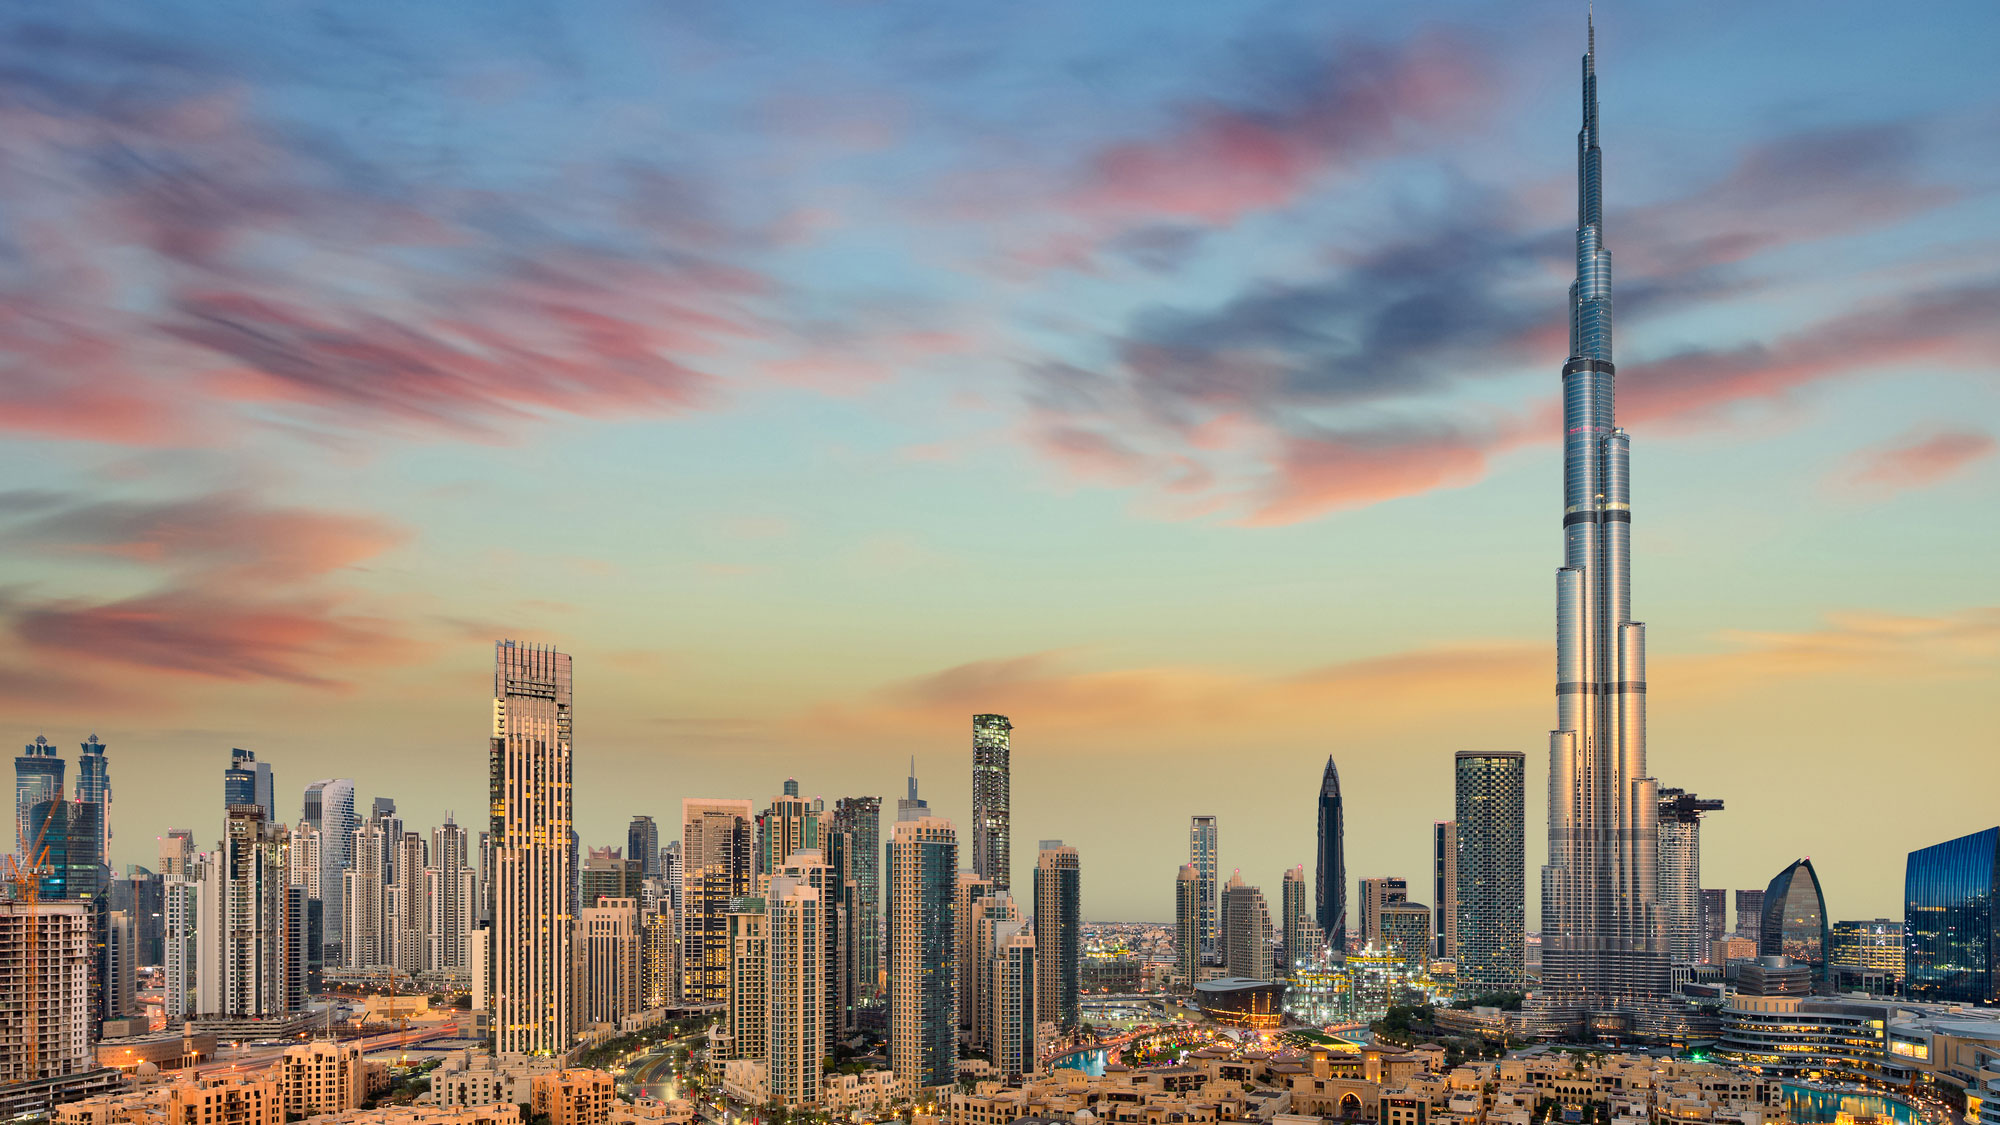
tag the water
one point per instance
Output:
(1090, 1062)
(1810, 1105)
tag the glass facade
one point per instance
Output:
(1330, 903)
(1491, 871)
(1949, 933)
(1795, 922)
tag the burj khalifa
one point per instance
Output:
(1603, 946)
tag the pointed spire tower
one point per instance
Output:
(912, 806)
(1330, 898)
(1602, 941)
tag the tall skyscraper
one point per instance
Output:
(529, 771)
(746, 997)
(182, 901)
(1246, 930)
(1795, 919)
(1331, 903)
(1300, 934)
(247, 781)
(1187, 924)
(716, 870)
(607, 874)
(408, 908)
(995, 919)
(970, 888)
(1202, 841)
(1012, 991)
(329, 807)
(252, 924)
(1491, 871)
(1059, 934)
(450, 893)
(1680, 873)
(73, 868)
(1951, 920)
(642, 842)
(796, 988)
(808, 868)
(991, 820)
(910, 806)
(38, 777)
(93, 786)
(1602, 945)
(1444, 889)
(671, 870)
(1750, 913)
(923, 989)
(861, 819)
(1406, 932)
(1376, 893)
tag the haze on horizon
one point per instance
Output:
(1177, 380)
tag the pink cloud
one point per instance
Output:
(1916, 460)
(1221, 162)
(308, 642)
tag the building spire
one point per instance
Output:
(1590, 27)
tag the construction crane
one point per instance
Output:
(26, 880)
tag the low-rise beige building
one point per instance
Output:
(573, 1096)
(321, 1078)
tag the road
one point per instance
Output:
(258, 1058)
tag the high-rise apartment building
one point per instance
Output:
(1296, 912)
(47, 1031)
(251, 928)
(923, 966)
(1246, 930)
(991, 786)
(38, 777)
(807, 867)
(642, 842)
(995, 919)
(860, 818)
(1444, 889)
(1602, 946)
(796, 988)
(1012, 990)
(1951, 920)
(1795, 920)
(409, 911)
(368, 937)
(529, 777)
(1059, 934)
(451, 893)
(670, 870)
(1187, 924)
(609, 931)
(1376, 893)
(659, 959)
(970, 888)
(1680, 873)
(1491, 871)
(747, 1003)
(181, 900)
(716, 869)
(1202, 841)
(1331, 903)
(93, 787)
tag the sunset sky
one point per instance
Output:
(1177, 379)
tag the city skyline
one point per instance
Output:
(1788, 320)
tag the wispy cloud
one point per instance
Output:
(1915, 460)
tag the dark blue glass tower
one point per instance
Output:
(1951, 931)
(1330, 900)
(1795, 922)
